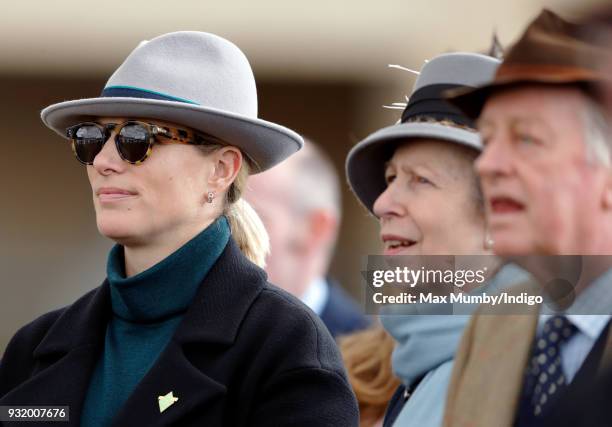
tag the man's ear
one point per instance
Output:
(226, 165)
(323, 228)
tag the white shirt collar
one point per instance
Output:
(596, 299)
(315, 296)
(590, 325)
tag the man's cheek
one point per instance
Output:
(543, 187)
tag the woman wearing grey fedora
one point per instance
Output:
(185, 330)
(418, 180)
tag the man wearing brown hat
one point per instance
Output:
(546, 177)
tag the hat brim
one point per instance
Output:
(471, 101)
(265, 143)
(365, 164)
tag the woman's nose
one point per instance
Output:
(108, 159)
(388, 204)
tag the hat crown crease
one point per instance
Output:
(193, 66)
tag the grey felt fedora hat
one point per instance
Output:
(190, 78)
(366, 160)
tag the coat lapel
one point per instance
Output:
(487, 390)
(488, 373)
(212, 322)
(66, 357)
(62, 384)
(173, 372)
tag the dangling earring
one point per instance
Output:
(488, 241)
(211, 196)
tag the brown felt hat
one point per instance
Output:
(550, 51)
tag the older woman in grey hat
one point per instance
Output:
(185, 330)
(418, 180)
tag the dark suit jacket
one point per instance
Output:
(589, 406)
(245, 354)
(341, 314)
(586, 401)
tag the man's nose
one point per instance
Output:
(495, 159)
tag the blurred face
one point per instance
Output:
(429, 206)
(162, 198)
(270, 194)
(543, 194)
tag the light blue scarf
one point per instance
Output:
(426, 346)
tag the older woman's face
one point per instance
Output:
(160, 199)
(430, 205)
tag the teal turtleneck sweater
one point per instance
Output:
(146, 309)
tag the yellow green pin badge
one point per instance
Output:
(166, 401)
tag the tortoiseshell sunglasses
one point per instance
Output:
(134, 140)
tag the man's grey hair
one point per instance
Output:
(597, 133)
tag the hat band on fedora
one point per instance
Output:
(552, 72)
(428, 102)
(136, 92)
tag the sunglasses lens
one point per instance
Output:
(133, 142)
(88, 142)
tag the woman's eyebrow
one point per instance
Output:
(410, 168)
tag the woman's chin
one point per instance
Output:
(119, 231)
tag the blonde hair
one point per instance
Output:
(367, 357)
(247, 229)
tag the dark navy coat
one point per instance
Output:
(341, 314)
(245, 354)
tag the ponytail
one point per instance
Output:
(247, 229)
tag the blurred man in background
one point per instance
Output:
(300, 205)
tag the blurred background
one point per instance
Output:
(321, 69)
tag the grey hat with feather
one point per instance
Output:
(366, 160)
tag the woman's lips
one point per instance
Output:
(503, 205)
(114, 194)
(399, 250)
(114, 197)
(396, 245)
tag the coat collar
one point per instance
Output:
(223, 299)
(68, 353)
(214, 316)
